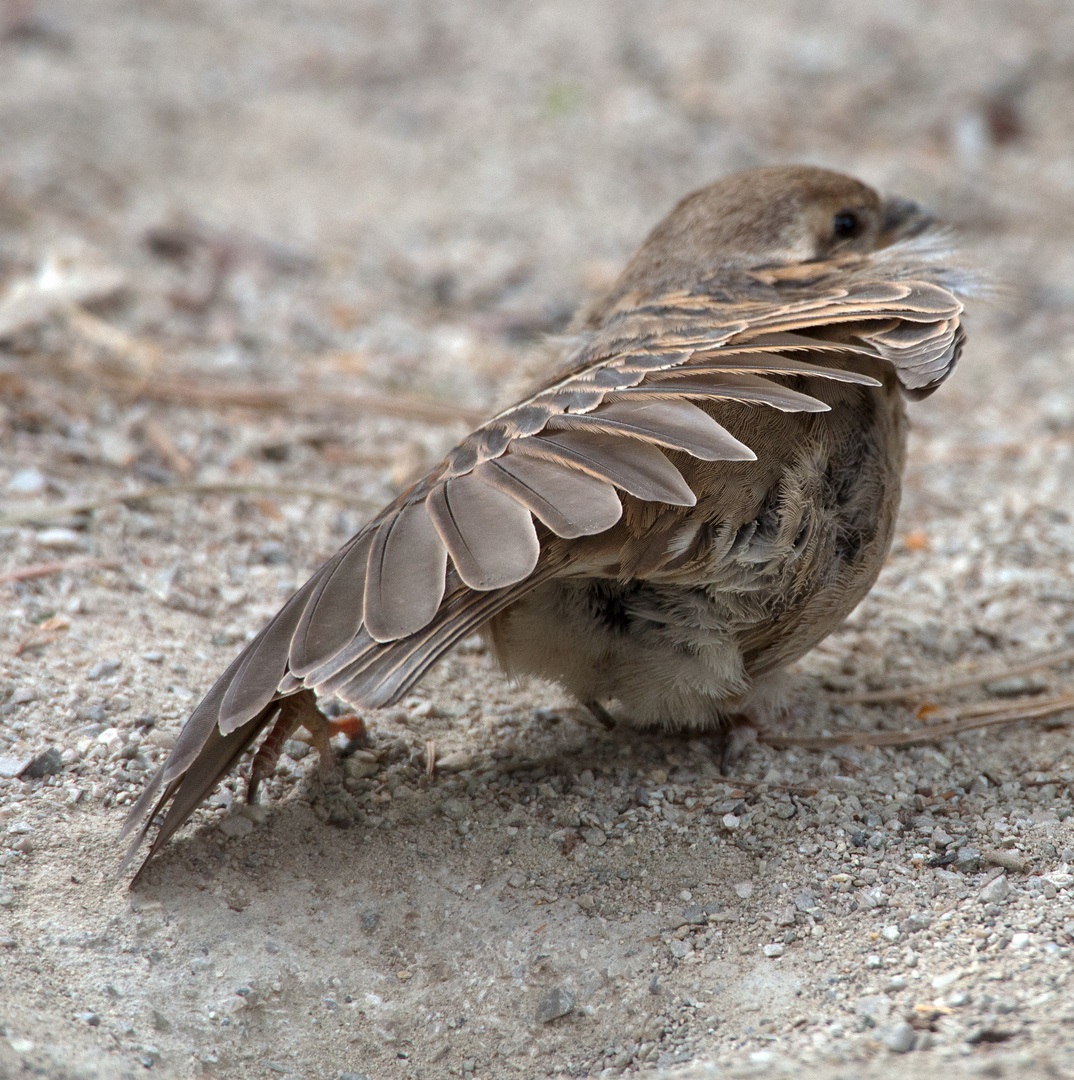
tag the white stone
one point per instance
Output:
(58, 539)
(948, 978)
(26, 482)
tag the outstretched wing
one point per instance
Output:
(467, 540)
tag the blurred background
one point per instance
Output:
(404, 192)
(270, 258)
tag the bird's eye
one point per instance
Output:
(846, 225)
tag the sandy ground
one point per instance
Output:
(265, 261)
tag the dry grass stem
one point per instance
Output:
(791, 789)
(969, 720)
(304, 401)
(164, 445)
(911, 693)
(49, 512)
(134, 378)
(40, 570)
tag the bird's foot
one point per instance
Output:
(300, 710)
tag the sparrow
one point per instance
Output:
(701, 490)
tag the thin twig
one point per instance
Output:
(60, 510)
(38, 641)
(930, 717)
(144, 384)
(40, 570)
(164, 444)
(916, 737)
(299, 400)
(908, 693)
(791, 789)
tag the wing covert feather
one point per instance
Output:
(638, 468)
(571, 503)
(488, 533)
(676, 424)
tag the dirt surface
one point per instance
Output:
(263, 262)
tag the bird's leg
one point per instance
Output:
(600, 713)
(300, 710)
(741, 730)
(734, 739)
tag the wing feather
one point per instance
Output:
(719, 386)
(334, 612)
(488, 533)
(405, 582)
(677, 424)
(571, 503)
(637, 467)
(264, 663)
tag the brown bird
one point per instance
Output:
(700, 493)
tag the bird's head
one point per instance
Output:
(774, 216)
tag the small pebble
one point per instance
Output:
(58, 539)
(236, 825)
(948, 978)
(296, 749)
(102, 668)
(773, 950)
(26, 482)
(968, 860)
(554, 1004)
(695, 915)
(360, 768)
(10, 767)
(996, 891)
(47, 763)
(458, 761)
(899, 1038)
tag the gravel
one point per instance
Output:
(347, 199)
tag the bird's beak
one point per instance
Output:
(903, 219)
